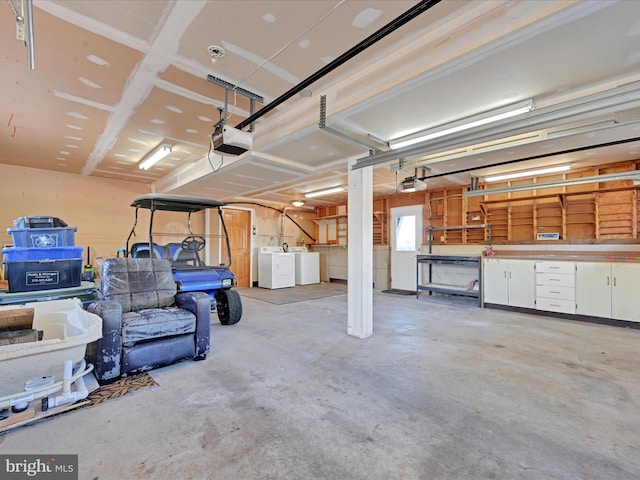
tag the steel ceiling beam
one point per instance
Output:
(626, 96)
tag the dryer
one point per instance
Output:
(276, 268)
(307, 266)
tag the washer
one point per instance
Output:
(307, 266)
(276, 269)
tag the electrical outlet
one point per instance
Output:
(442, 238)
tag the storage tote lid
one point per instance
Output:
(39, 222)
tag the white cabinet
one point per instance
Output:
(593, 289)
(555, 287)
(496, 283)
(625, 301)
(509, 282)
(598, 289)
(608, 290)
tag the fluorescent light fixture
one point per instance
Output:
(155, 156)
(297, 203)
(324, 191)
(528, 173)
(465, 124)
(609, 177)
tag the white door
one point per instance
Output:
(406, 243)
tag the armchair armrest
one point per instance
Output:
(199, 304)
(106, 353)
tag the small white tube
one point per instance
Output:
(47, 390)
(80, 389)
(66, 377)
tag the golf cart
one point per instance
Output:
(189, 270)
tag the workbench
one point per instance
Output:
(468, 261)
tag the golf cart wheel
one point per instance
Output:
(229, 306)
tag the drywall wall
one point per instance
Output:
(98, 207)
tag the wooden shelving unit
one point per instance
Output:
(431, 237)
(608, 213)
(474, 216)
(580, 218)
(578, 213)
(332, 223)
(548, 215)
(380, 221)
(498, 217)
(453, 216)
(521, 222)
(615, 214)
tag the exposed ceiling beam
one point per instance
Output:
(155, 60)
(622, 97)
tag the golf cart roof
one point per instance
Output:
(174, 203)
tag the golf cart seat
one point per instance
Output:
(142, 250)
(146, 324)
(181, 257)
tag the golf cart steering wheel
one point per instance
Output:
(194, 243)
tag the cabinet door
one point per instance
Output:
(522, 283)
(625, 300)
(495, 286)
(593, 289)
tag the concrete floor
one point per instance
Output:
(443, 390)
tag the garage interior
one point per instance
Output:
(465, 361)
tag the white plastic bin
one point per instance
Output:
(67, 327)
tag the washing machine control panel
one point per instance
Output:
(268, 250)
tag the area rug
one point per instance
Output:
(299, 293)
(395, 291)
(120, 388)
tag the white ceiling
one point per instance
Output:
(114, 79)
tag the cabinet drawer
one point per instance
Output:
(556, 267)
(556, 305)
(552, 291)
(556, 279)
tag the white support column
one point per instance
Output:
(360, 250)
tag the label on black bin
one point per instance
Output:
(42, 278)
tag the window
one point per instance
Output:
(406, 233)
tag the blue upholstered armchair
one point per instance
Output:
(145, 323)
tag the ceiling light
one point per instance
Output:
(609, 177)
(528, 173)
(324, 191)
(89, 83)
(155, 156)
(297, 203)
(465, 124)
(98, 61)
